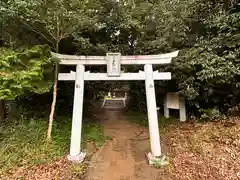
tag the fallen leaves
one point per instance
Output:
(61, 169)
(204, 151)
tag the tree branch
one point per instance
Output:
(51, 34)
(27, 26)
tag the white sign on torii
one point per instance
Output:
(113, 61)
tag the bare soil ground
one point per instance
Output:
(197, 151)
(123, 158)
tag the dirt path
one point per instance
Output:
(123, 158)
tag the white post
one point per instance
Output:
(152, 112)
(182, 109)
(124, 102)
(75, 146)
(166, 110)
(104, 102)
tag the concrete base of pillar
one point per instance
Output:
(157, 161)
(77, 158)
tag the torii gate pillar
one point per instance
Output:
(152, 111)
(76, 154)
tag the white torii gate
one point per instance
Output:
(113, 62)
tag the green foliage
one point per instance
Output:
(210, 114)
(161, 161)
(25, 71)
(208, 74)
(205, 31)
(51, 20)
(207, 71)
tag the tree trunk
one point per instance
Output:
(226, 5)
(2, 110)
(51, 116)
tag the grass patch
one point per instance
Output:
(77, 169)
(142, 119)
(94, 132)
(23, 143)
(138, 118)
